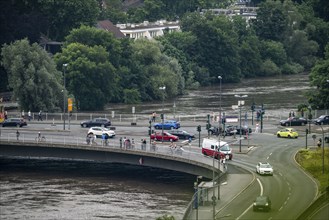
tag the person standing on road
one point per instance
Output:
(40, 116)
(257, 128)
(29, 115)
(17, 134)
(153, 116)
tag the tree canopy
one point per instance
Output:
(33, 76)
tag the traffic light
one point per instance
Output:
(199, 128)
(253, 107)
(208, 126)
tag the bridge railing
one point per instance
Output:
(72, 141)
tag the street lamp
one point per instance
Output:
(64, 67)
(163, 88)
(220, 108)
(240, 103)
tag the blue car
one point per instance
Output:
(168, 125)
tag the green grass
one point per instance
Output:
(311, 160)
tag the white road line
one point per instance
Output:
(261, 193)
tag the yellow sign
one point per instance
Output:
(69, 104)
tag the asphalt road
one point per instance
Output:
(290, 189)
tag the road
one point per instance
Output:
(290, 189)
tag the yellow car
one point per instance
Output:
(287, 133)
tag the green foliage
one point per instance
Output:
(269, 68)
(292, 68)
(90, 77)
(131, 96)
(33, 76)
(65, 15)
(319, 97)
(311, 161)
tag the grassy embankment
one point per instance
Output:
(311, 160)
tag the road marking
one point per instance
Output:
(261, 193)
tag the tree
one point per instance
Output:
(91, 78)
(65, 15)
(91, 36)
(319, 97)
(33, 76)
(272, 21)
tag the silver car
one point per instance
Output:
(264, 168)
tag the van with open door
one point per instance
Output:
(212, 147)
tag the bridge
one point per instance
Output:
(182, 160)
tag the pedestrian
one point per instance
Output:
(40, 116)
(17, 134)
(224, 162)
(257, 128)
(120, 142)
(290, 114)
(6, 115)
(293, 114)
(132, 143)
(29, 115)
(124, 142)
(144, 144)
(88, 139)
(153, 116)
(154, 144)
(319, 142)
(23, 114)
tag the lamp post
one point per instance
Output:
(64, 67)
(163, 88)
(220, 109)
(322, 149)
(240, 103)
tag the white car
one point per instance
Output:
(98, 131)
(264, 169)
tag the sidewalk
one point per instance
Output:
(230, 187)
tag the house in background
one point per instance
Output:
(146, 29)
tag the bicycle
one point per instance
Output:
(40, 139)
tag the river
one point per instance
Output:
(75, 190)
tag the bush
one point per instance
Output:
(292, 68)
(269, 68)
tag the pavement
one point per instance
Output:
(231, 186)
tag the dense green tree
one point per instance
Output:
(92, 36)
(273, 51)
(301, 50)
(33, 76)
(90, 77)
(65, 15)
(319, 97)
(272, 21)
(154, 69)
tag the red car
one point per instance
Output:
(166, 136)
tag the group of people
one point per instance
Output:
(29, 115)
(91, 139)
(126, 143)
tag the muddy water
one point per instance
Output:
(280, 93)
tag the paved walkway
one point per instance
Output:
(229, 188)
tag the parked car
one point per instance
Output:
(99, 131)
(182, 134)
(96, 122)
(168, 124)
(293, 121)
(157, 136)
(262, 203)
(244, 130)
(227, 132)
(287, 133)
(264, 168)
(322, 120)
(14, 122)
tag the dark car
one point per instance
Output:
(293, 121)
(243, 130)
(182, 134)
(262, 203)
(96, 122)
(228, 130)
(322, 120)
(14, 122)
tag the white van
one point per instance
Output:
(211, 147)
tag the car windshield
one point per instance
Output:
(265, 166)
(261, 199)
(225, 148)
